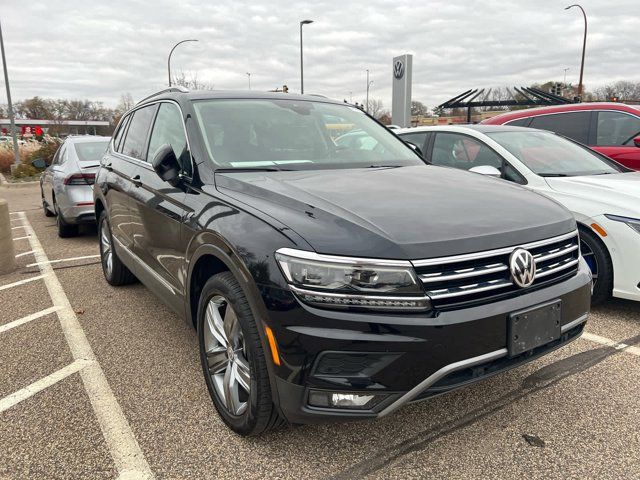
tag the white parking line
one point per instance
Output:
(35, 387)
(20, 238)
(30, 252)
(125, 451)
(63, 260)
(28, 318)
(19, 226)
(21, 282)
(611, 343)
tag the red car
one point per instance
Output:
(612, 129)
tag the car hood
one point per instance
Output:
(402, 213)
(617, 193)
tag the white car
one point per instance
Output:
(603, 195)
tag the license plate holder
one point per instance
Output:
(533, 327)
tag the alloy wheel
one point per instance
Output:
(227, 356)
(105, 244)
(590, 257)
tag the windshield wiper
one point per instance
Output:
(553, 174)
(384, 166)
(252, 169)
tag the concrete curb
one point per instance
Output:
(5, 183)
(7, 257)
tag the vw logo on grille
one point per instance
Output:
(523, 267)
(398, 69)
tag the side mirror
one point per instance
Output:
(636, 141)
(414, 147)
(166, 165)
(486, 170)
(39, 163)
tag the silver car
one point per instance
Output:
(66, 185)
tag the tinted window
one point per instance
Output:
(520, 122)
(616, 128)
(417, 139)
(117, 138)
(62, 155)
(574, 125)
(91, 151)
(135, 142)
(168, 129)
(463, 152)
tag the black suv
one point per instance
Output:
(330, 274)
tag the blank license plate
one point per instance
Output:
(531, 328)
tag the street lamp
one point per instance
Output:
(12, 123)
(303, 22)
(171, 52)
(369, 83)
(565, 75)
(584, 46)
(249, 77)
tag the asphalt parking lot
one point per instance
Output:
(102, 382)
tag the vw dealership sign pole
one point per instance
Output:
(401, 96)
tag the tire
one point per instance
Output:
(597, 257)
(115, 272)
(65, 230)
(255, 412)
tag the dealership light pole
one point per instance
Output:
(249, 77)
(584, 46)
(303, 22)
(12, 123)
(565, 75)
(171, 52)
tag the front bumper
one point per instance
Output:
(623, 244)
(403, 358)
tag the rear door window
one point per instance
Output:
(574, 125)
(617, 129)
(117, 138)
(135, 143)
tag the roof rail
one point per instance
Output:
(177, 88)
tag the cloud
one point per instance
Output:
(99, 50)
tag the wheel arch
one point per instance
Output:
(583, 227)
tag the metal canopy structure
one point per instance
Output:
(523, 96)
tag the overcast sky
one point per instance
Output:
(102, 49)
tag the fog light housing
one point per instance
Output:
(344, 400)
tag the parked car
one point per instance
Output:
(603, 195)
(66, 185)
(325, 282)
(609, 128)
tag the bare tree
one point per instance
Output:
(191, 82)
(375, 108)
(419, 108)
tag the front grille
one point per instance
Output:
(465, 280)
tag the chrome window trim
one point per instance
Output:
(491, 253)
(318, 257)
(184, 128)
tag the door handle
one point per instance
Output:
(136, 181)
(108, 166)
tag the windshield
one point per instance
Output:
(91, 151)
(551, 155)
(296, 135)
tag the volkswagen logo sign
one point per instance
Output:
(398, 69)
(523, 267)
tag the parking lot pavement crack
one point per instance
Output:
(122, 444)
(542, 379)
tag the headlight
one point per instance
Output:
(632, 222)
(342, 282)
